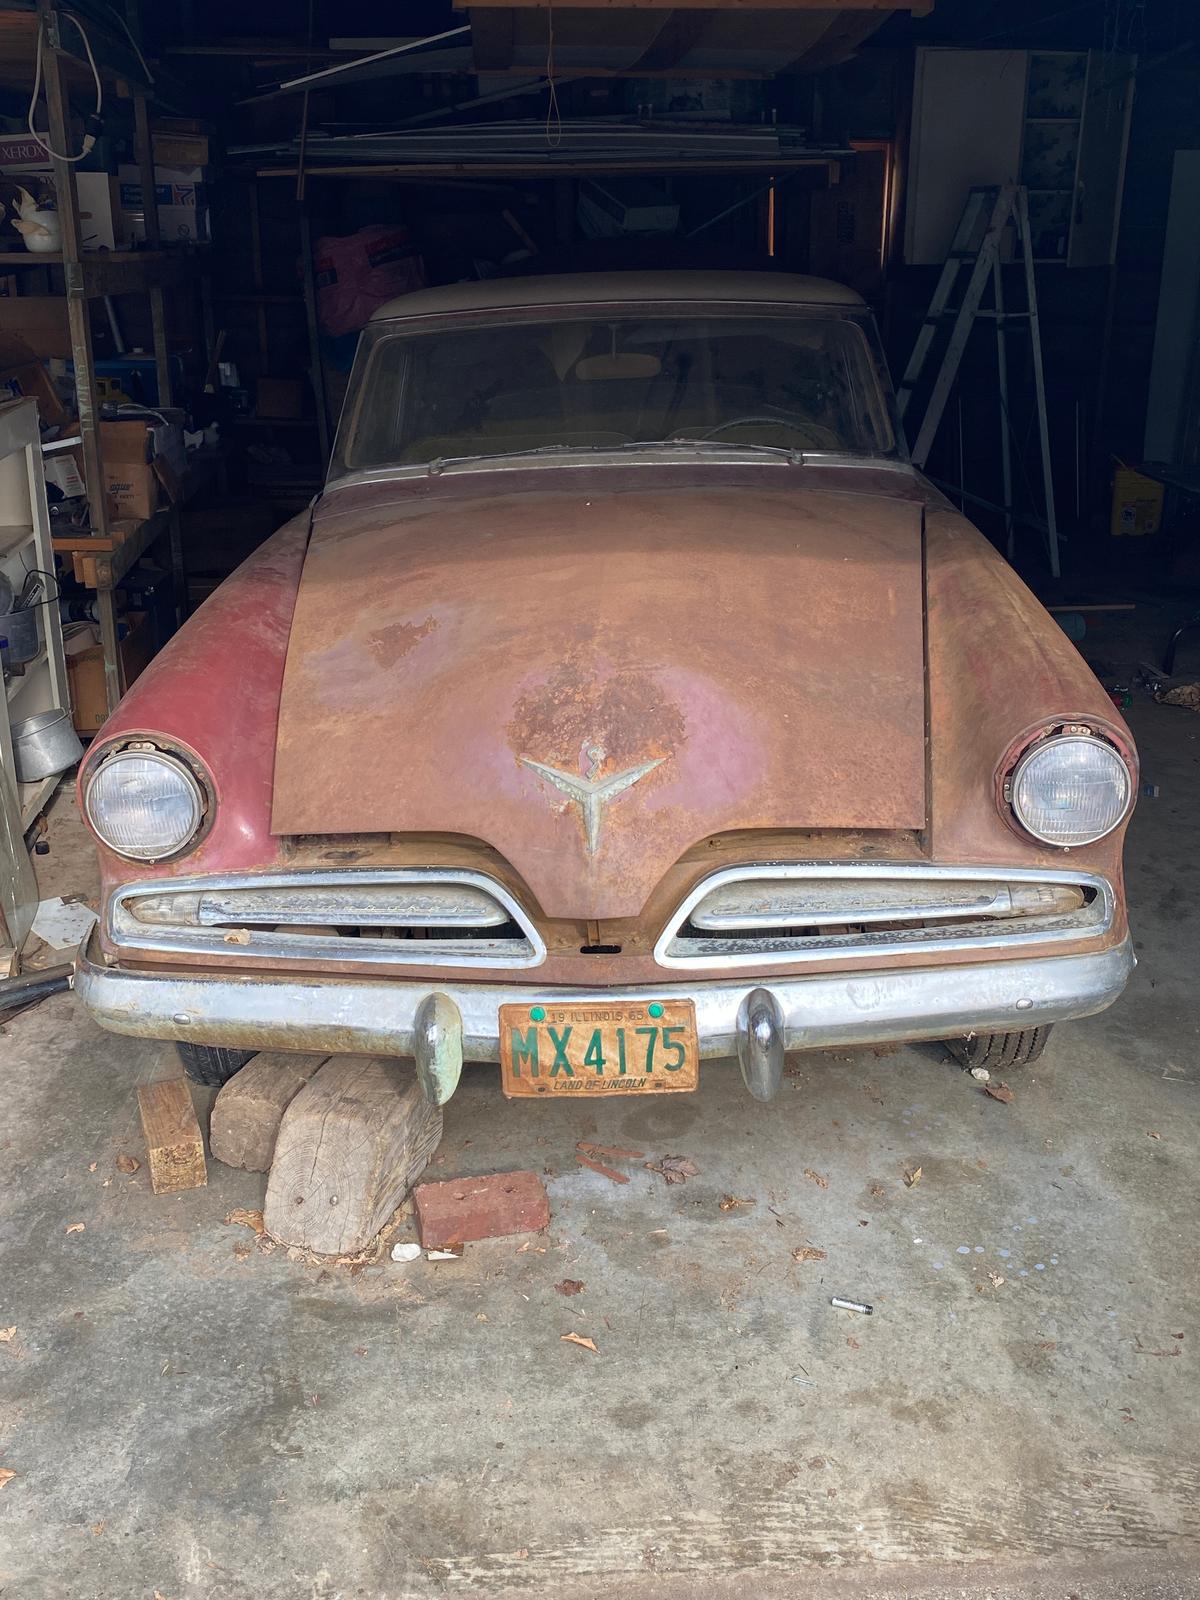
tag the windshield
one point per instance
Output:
(804, 380)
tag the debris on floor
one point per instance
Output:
(912, 1177)
(816, 1177)
(807, 1252)
(999, 1091)
(240, 1217)
(492, 1207)
(63, 924)
(675, 1169)
(852, 1305)
(579, 1339)
(407, 1250)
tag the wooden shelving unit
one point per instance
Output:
(88, 275)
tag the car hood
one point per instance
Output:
(592, 684)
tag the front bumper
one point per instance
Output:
(386, 1016)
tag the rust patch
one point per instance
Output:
(579, 706)
(389, 645)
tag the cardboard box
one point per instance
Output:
(1137, 504)
(180, 149)
(182, 203)
(23, 375)
(134, 452)
(85, 671)
(40, 322)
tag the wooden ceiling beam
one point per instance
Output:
(493, 38)
(917, 6)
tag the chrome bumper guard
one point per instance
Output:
(754, 1020)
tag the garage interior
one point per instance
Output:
(653, 1393)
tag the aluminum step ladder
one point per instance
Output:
(977, 247)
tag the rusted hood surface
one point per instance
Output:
(741, 659)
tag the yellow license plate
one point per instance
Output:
(647, 1047)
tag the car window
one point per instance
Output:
(798, 382)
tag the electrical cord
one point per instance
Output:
(92, 132)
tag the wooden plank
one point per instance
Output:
(493, 35)
(350, 1146)
(916, 6)
(174, 1144)
(246, 1114)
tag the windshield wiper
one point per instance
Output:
(440, 463)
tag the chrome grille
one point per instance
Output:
(402, 916)
(789, 912)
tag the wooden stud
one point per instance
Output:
(174, 1144)
(246, 1114)
(350, 1146)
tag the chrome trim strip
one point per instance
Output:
(1005, 938)
(127, 933)
(268, 1011)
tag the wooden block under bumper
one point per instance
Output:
(174, 1145)
(247, 1112)
(350, 1146)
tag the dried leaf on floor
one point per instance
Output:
(912, 1177)
(614, 1152)
(579, 1339)
(999, 1091)
(731, 1202)
(241, 1252)
(92, 1165)
(1151, 1135)
(127, 1164)
(875, 1190)
(75, 1227)
(6, 1476)
(238, 936)
(570, 1286)
(598, 1166)
(853, 1342)
(995, 1279)
(815, 1177)
(241, 1218)
(675, 1169)
(7, 1335)
(97, 1528)
(807, 1252)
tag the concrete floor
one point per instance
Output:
(194, 1421)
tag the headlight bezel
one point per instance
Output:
(174, 756)
(1033, 743)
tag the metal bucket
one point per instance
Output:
(44, 744)
(24, 635)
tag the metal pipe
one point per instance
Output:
(34, 986)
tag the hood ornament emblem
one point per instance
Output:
(591, 794)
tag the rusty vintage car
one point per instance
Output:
(625, 700)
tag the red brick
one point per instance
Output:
(480, 1208)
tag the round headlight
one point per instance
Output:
(1071, 790)
(144, 804)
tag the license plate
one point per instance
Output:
(622, 1048)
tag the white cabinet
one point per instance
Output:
(1055, 120)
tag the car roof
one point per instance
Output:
(603, 288)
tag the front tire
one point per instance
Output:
(1000, 1052)
(209, 1065)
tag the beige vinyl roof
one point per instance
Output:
(602, 288)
